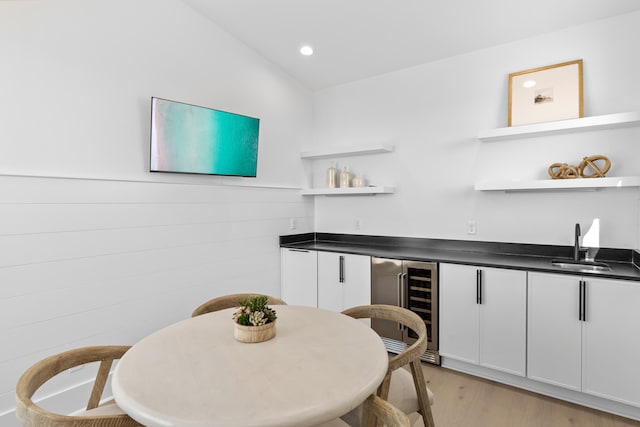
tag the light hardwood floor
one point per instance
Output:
(463, 400)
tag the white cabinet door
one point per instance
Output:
(299, 277)
(611, 340)
(344, 280)
(483, 316)
(330, 289)
(554, 328)
(459, 313)
(357, 276)
(503, 320)
(598, 355)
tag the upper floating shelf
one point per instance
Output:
(608, 121)
(558, 184)
(346, 151)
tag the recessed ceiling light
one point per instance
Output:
(529, 83)
(306, 50)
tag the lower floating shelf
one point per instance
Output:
(559, 184)
(351, 191)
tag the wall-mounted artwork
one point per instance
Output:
(546, 94)
(187, 138)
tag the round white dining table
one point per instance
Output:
(319, 366)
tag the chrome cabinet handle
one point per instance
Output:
(403, 302)
(403, 297)
(341, 269)
(399, 294)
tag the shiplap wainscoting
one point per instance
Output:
(86, 262)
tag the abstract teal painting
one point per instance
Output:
(187, 138)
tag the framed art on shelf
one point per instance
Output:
(546, 94)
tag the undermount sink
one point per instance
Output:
(583, 266)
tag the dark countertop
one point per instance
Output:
(623, 262)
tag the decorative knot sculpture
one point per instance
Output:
(563, 171)
(596, 170)
(591, 167)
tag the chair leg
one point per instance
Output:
(383, 389)
(421, 391)
(383, 393)
(98, 385)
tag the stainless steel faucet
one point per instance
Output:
(576, 244)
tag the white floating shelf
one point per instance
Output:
(608, 121)
(559, 184)
(346, 151)
(351, 191)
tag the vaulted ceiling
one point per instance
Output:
(356, 39)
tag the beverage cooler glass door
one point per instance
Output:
(420, 280)
(412, 285)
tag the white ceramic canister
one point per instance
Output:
(358, 181)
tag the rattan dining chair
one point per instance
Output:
(405, 390)
(230, 301)
(382, 410)
(96, 415)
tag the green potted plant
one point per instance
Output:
(254, 321)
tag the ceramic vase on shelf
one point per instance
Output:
(254, 334)
(345, 178)
(332, 176)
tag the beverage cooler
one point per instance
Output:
(414, 286)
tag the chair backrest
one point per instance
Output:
(230, 301)
(399, 315)
(385, 412)
(410, 356)
(32, 415)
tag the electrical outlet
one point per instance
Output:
(471, 226)
(293, 223)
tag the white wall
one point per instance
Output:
(109, 259)
(432, 114)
